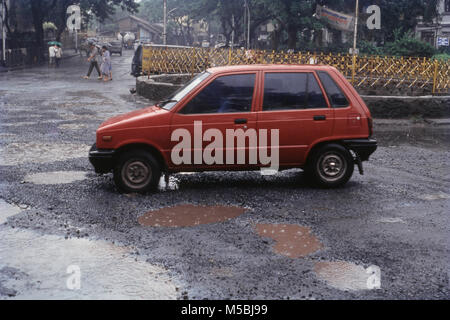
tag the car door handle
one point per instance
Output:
(240, 121)
(320, 118)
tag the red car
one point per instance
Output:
(242, 118)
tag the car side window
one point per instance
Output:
(335, 94)
(292, 91)
(226, 94)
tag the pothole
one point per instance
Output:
(344, 275)
(60, 177)
(19, 153)
(7, 210)
(106, 271)
(293, 241)
(189, 215)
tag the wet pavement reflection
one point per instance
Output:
(342, 275)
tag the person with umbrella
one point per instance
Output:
(94, 53)
(51, 53)
(106, 66)
(58, 54)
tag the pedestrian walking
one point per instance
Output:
(93, 56)
(58, 55)
(106, 67)
(51, 55)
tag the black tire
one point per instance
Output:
(137, 171)
(331, 166)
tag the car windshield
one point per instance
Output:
(172, 101)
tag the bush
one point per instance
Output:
(408, 46)
(367, 48)
(442, 57)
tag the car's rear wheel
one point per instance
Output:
(331, 166)
(137, 172)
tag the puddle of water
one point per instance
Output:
(61, 177)
(434, 197)
(18, 124)
(106, 271)
(189, 215)
(7, 210)
(169, 183)
(19, 153)
(391, 220)
(72, 127)
(342, 275)
(293, 241)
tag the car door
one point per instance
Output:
(224, 104)
(294, 103)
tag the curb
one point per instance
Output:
(410, 122)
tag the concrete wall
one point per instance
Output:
(160, 87)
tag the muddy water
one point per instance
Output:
(189, 215)
(342, 275)
(293, 241)
(107, 271)
(434, 197)
(7, 210)
(19, 153)
(52, 178)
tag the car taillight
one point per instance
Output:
(370, 121)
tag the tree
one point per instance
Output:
(56, 11)
(396, 15)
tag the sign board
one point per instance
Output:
(335, 19)
(442, 42)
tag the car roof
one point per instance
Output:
(269, 67)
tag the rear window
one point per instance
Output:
(335, 94)
(292, 91)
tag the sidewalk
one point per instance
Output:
(8, 69)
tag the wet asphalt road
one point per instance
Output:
(396, 217)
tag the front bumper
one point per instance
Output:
(101, 159)
(364, 148)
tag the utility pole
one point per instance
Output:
(232, 33)
(4, 31)
(355, 38)
(165, 23)
(249, 20)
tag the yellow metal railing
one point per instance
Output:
(371, 72)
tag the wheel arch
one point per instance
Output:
(321, 144)
(146, 147)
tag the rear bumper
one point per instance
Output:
(364, 148)
(101, 159)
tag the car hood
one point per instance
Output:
(136, 118)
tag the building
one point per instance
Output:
(142, 29)
(437, 32)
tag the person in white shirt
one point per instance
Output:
(51, 55)
(58, 55)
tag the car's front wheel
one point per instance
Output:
(137, 172)
(331, 166)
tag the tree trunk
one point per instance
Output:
(292, 36)
(38, 21)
